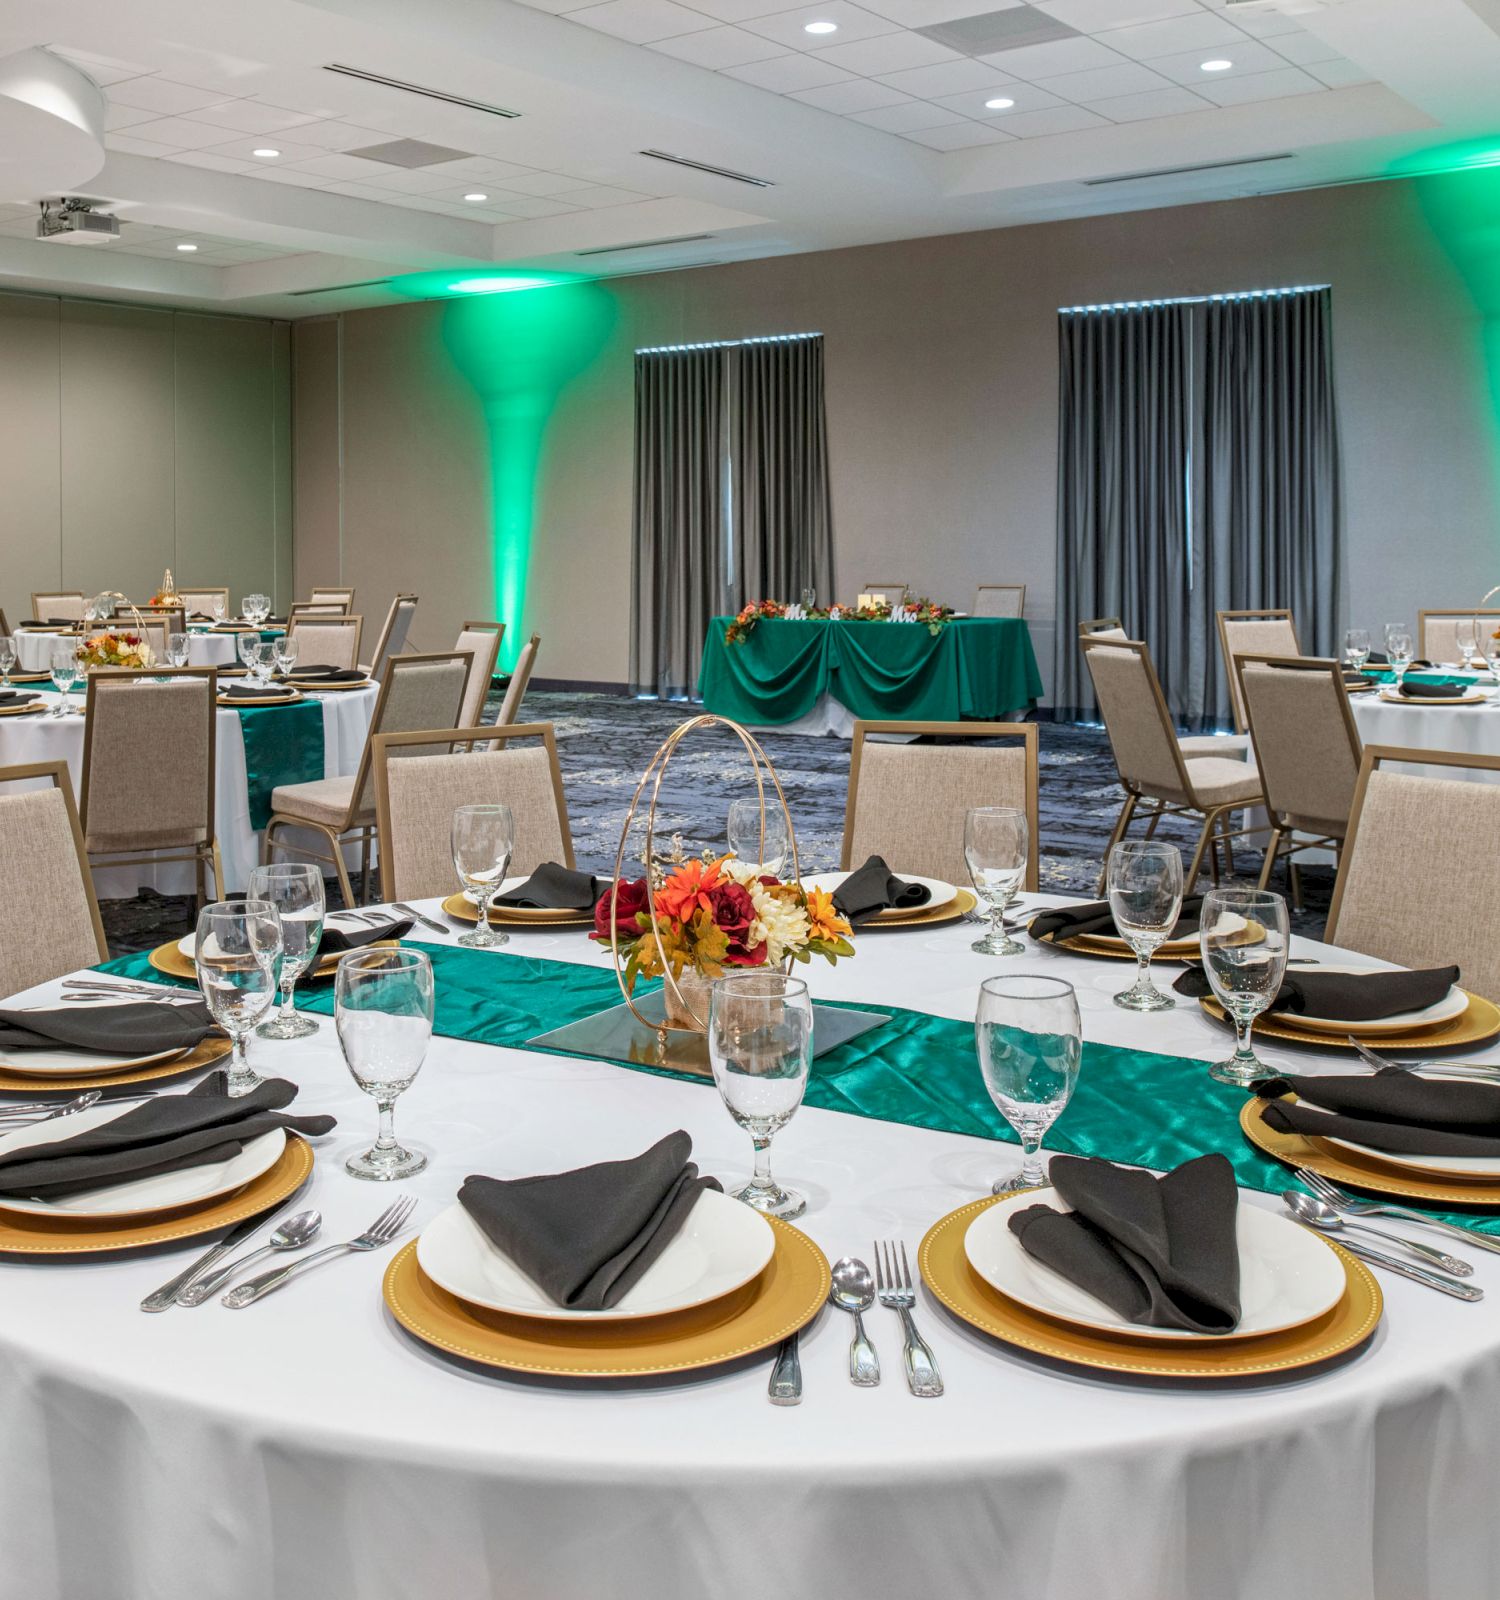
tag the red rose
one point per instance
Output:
(628, 899)
(734, 914)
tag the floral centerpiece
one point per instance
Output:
(114, 650)
(749, 615)
(931, 613)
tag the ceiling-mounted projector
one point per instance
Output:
(74, 221)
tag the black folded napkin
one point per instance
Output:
(163, 1135)
(338, 941)
(555, 888)
(874, 888)
(1345, 996)
(1433, 691)
(1096, 919)
(1390, 1110)
(138, 1028)
(248, 691)
(1162, 1252)
(10, 697)
(586, 1237)
(328, 674)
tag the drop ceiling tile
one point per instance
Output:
(1105, 83)
(483, 167)
(1034, 61)
(962, 136)
(1093, 16)
(641, 21)
(104, 70)
(322, 167)
(161, 95)
(211, 160)
(600, 195)
(789, 28)
(731, 10)
(1259, 24)
(892, 52)
(129, 144)
(118, 118)
(182, 133)
(333, 134)
(527, 206)
(1173, 102)
(1207, 30)
(542, 183)
(923, 13)
(947, 77)
(1303, 49)
(252, 116)
(1027, 97)
(552, 5)
(719, 47)
(244, 148)
(908, 117)
(789, 72)
(1233, 91)
(1245, 58)
(1339, 74)
(1039, 124)
(859, 94)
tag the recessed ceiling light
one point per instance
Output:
(1219, 64)
(821, 27)
(187, 247)
(496, 285)
(475, 198)
(265, 153)
(1002, 104)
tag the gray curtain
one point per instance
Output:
(677, 564)
(1122, 468)
(782, 514)
(1270, 498)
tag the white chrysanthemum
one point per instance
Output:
(781, 923)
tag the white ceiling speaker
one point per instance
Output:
(51, 126)
(72, 220)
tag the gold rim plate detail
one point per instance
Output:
(169, 959)
(236, 703)
(955, 911)
(946, 1270)
(1477, 1025)
(25, 709)
(24, 1234)
(206, 1053)
(456, 905)
(786, 1296)
(316, 686)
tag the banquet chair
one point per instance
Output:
(1307, 750)
(57, 605)
(4, 625)
(1253, 633)
(154, 629)
(907, 801)
(1437, 631)
(1102, 628)
(393, 635)
(893, 593)
(416, 796)
(331, 641)
(515, 690)
(174, 616)
(1420, 875)
(43, 864)
(1151, 761)
(419, 692)
(482, 639)
(1000, 600)
(317, 608)
(321, 596)
(199, 602)
(149, 770)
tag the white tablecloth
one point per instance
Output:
(307, 1447)
(346, 720)
(34, 650)
(1468, 729)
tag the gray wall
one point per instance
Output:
(133, 440)
(942, 394)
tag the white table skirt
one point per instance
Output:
(346, 720)
(307, 1446)
(1470, 730)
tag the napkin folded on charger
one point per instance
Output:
(10, 697)
(556, 888)
(166, 1134)
(246, 691)
(136, 1028)
(874, 888)
(586, 1237)
(1391, 1109)
(1378, 658)
(1162, 1252)
(328, 674)
(339, 941)
(1433, 691)
(1345, 996)
(1095, 919)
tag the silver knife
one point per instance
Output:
(1433, 1280)
(416, 916)
(786, 1376)
(166, 1296)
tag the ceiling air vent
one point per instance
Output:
(1177, 172)
(712, 171)
(992, 31)
(410, 153)
(645, 244)
(418, 88)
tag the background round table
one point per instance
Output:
(205, 648)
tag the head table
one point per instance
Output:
(308, 1446)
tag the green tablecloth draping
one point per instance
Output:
(283, 744)
(975, 667)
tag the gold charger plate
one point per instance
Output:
(26, 708)
(785, 1297)
(24, 1234)
(519, 916)
(206, 1053)
(1357, 1170)
(319, 687)
(1115, 949)
(955, 911)
(30, 677)
(1470, 697)
(946, 1270)
(169, 959)
(1477, 1025)
(236, 703)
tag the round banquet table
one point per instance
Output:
(1468, 729)
(205, 649)
(307, 1446)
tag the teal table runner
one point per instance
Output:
(975, 667)
(1464, 679)
(283, 744)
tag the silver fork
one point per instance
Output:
(897, 1293)
(1342, 1201)
(379, 1234)
(1477, 1071)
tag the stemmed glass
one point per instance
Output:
(177, 649)
(809, 599)
(216, 609)
(1356, 647)
(1242, 934)
(760, 1034)
(1030, 1040)
(483, 838)
(238, 945)
(1398, 651)
(295, 888)
(7, 658)
(64, 673)
(757, 835)
(382, 1007)
(1466, 639)
(245, 646)
(255, 608)
(285, 650)
(1145, 896)
(996, 844)
(262, 664)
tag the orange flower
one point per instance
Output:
(825, 921)
(686, 891)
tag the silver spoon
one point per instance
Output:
(854, 1291)
(1319, 1214)
(296, 1231)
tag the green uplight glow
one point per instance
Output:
(497, 285)
(1465, 156)
(439, 285)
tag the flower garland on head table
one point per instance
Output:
(930, 613)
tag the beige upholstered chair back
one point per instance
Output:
(199, 602)
(175, 617)
(148, 761)
(4, 625)
(1420, 878)
(416, 798)
(1437, 632)
(420, 693)
(393, 635)
(42, 867)
(318, 608)
(1000, 600)
(515, 690)
(342, 598)
(1306, 744)
(58, 605)
(482, 640)
(154, 629)
(894, 593)
(907, 802)
(1102, 628)
(1135, 718)
(1253, 633)
(326, 641)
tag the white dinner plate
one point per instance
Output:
(188, 946)
(1288, 1276)
(64, 1063)
(1453, 1004)
(137, 1195)
(1436, 1166)
(722, 1246)
(943, 894)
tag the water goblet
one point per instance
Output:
(217, 609)
(382, 1007)
(177, 649)
(1356, 647)
(295, 888)
(1242, 934)
(245, 646)
(1398, 649)
(262, 664)
(64, 666)
(1145, 896)
(286, 653)
(760, 1027)
(482, 839)
(1466, 640)
(757, 835)
(996, 844)
(238, 945)
(809, 599)
(1030, 1041)
(7, 658)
